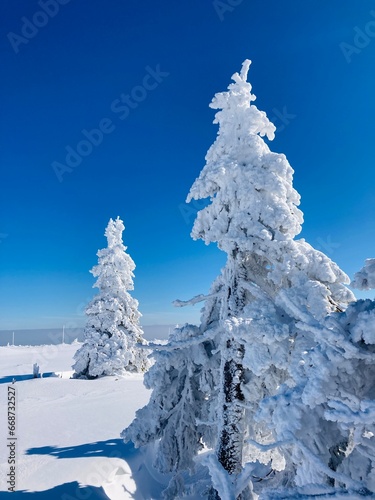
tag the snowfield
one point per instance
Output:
(68, 443)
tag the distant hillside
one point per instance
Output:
(54, 335)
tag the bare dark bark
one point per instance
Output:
(231, 438)
(231, 434)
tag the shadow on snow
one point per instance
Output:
(113, 448)
(147, 485)
(68, 491)
(19, 378)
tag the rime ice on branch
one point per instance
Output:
(112, 330)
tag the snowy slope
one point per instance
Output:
(68, 430)
(68, 444)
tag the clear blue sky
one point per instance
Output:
(69, 74)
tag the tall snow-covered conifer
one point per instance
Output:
(112, 330)
(253, 217)
(251, 330)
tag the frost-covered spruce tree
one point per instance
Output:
(112, 330)
(248, 333)
(269, 276)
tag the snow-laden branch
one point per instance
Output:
(270, 446)
(245, 479)
(311, 456)
(219, 476)
(182, 344)
(340, 477)
(207, 423)
(342, 412)
(145, 347)
(194, 300)
(295, 310)
(253, 289)
(337, 340)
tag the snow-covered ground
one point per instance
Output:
(68, 443)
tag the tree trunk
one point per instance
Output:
(231, 433)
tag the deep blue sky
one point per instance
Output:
(67, 78)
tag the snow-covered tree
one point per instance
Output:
(269, 276)
(112, 335)
(251, 315)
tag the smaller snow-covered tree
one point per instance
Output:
(112, 331)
